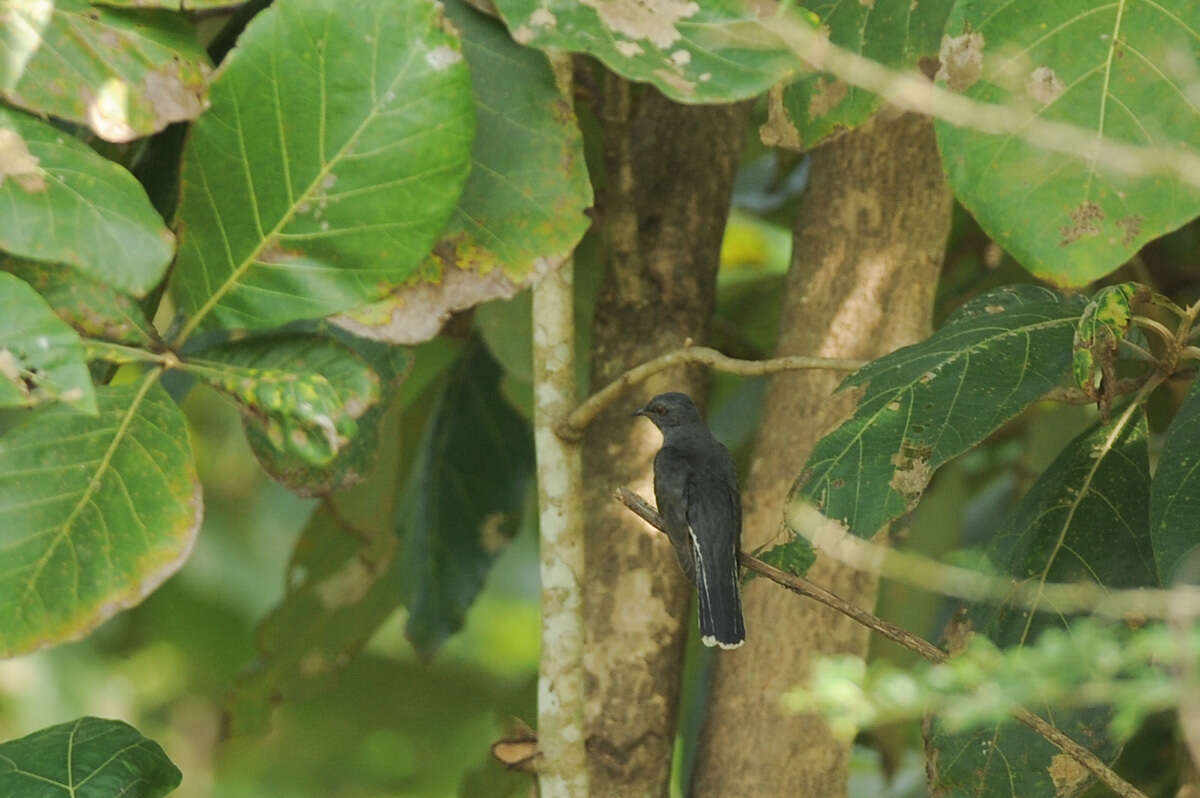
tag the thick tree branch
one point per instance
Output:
(915, 643)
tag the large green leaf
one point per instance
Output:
(86, 758)
(1086, 519)
(895, 33)
(1175, 494)
(302, 393)
(929, 402)
(463, 498)
(64, 203)
(521, 212)
(41, 358)
(124, 75)
(1120, 69)
(92, 308)
(337, 144)
(689, 50)
(95, 512)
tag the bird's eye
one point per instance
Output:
(658, 410)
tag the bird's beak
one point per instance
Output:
(641, 411)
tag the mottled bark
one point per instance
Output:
(869, 240)
(669, 174)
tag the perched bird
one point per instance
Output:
(695, 485)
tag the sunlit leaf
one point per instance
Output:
(462, 501)
(86, 758)
(1086, 519)
(303, 392)
(64, 203)
(337, 144)
(1119, 69)
(895, 33)
(521, 211)
(926, 403)
(123, 75)
(95, 512)
(41, 358)
(693, 52)
(1102, 325)
(92, 308)
(1175, 495)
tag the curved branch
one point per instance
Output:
(573, 426)
(801, 586)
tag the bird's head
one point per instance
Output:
(670, 410)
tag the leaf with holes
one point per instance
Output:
(462, 499)
(95, 512)
(41, 358)
(896, 33)
(694, 52)
(1122, 70)
(123, 75)
(1175, 496)
(521, 212)
(357, 458)
(303, 393)
(86, 758)
(92, 308)
(929, 402)
(64, 203)
(336, 147)
(1085, 519)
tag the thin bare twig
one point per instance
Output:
(572, 428)
(915, 643)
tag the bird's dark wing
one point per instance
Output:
(671, 479)
(714, 517)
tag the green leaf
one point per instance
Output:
(521, 211)
(94, 512)
(356, 459)
(463, 499)
(86, 758)
(522, 208)
(1120, 69)
(123, 75)
(707, 52)
(926, 403)
(794, 557)
(64, 203)
(92, 308)
(1103, 324)
(173, 5)
(302, 393)
(1086, 519)
(41, 358)
(895, 33)
(1175, 494)
(337, 144)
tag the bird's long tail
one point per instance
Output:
(720, 593)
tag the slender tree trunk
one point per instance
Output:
(869, 240)
(669, 174)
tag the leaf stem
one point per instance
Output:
(95, 349)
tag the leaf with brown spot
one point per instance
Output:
(931, 401)
(64, 203)
(1119, 70)
(124, 76)
(521, 212)
(895, 33)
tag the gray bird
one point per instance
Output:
(695, 485)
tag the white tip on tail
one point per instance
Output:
(711, 641)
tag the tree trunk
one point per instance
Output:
(669, 171)
(868, 244)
